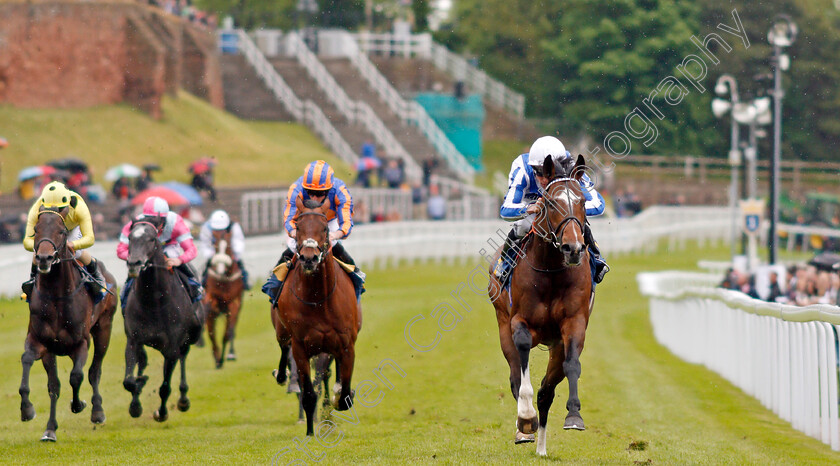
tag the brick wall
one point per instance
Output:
(79, 54)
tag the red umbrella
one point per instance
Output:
(169, 195)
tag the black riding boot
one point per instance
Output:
(506, 262)
(204, 273)
(194, 287)
(244, 274)
(341, 254)
(96, 274)
(28, 285)
(273, 285)
(601, 267)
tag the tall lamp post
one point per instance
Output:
(720, 107)
(782, 34)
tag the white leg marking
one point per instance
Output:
(525, 406)
(541, 441)
(337, 388)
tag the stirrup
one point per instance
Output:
(599, 275)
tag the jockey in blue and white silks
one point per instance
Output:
(525, 185)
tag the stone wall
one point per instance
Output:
(79, 54)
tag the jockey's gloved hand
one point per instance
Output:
(336, 235)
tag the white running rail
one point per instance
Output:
(354, 111)
(304, 111)
(785, 356)
(423, 45)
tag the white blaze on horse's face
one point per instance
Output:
(221, 266)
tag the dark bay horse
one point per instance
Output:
(158, 313)
(316, 311)
(550, 296)
(62, 320)
(224, 290)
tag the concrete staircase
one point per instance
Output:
(246, 96)
(411, 76)
(357, 88)
(305, 88)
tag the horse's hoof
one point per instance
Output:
(280, 377)
(523, 438)
(49, 436)
(574, 422)
(343, 404)
(27, 413)
(97, 417)
(184, 405)
(135, 409)
(78, 408)
(219, 364)
(160, 418)
(526, 426)
(231, 357)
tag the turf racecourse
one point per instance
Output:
(453, 405)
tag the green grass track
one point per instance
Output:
(453, 406)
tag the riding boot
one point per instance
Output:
(340, 253)
(98, 286)
(204, 273)
(505, 263)
(195, 289)
(274, 285)
(28, 285)
(601, 268)
(244, 273)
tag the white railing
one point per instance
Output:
(307, 112)
(380, 244)
(354, 111)
(410, 112)
(422, 45)
(785, 356)
(804, 233)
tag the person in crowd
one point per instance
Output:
(56, 197)
(392, 174)
(178, 246)
(436, 204)
(220, 220)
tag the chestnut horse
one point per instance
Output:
(158, 313)
(548, 303)
(224, 290)
(316, 311)
(62, 319)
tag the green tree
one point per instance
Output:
(252, 14)
(421, 10)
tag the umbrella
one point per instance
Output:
(151, 167)
(70, 164)
(33, 172)
(125, 170)
(190, 194)
(169, 195)
(825, 261)
(368, 163)
(3, 142)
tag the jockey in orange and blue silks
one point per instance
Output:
(525, 187)
(320, 184)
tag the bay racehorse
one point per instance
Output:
(158, 313)
(317, 311)
(224, 290)
(548, 303)
(62, 320)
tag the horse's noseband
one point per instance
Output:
(555, 235)
(56, 248)
(311, 243)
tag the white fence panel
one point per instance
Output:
(785, 356)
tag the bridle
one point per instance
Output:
(147, 262)
(555, 235)
(323, 249)
(58, 250)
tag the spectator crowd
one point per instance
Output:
(798, 285)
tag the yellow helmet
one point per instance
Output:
(55, 194)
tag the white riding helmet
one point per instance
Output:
(219, 220)
(544, 147)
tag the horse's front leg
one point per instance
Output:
(54, 387)
(553, 376)
(230, 332)
(526, 421)
(183, 401)
(574, 333)
(211, 334)
(162, 414)
(307, 392)
(344, 368)
(134, 353)
(77, 375)
(32, 351)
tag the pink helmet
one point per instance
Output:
(155, 207)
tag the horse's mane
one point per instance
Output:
(563, 168)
